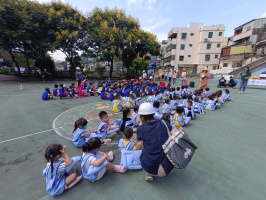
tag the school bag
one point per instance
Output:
(130, 159)
(178, 148)
(115, 106)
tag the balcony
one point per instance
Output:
(242, 35)
(172, 33)
(241, 49)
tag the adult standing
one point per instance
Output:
(79, 76)
(204, 76)
(174, 76)
(244, 76)
(183, 75)
(165, 75)
(153, 159)
(162, 77)
(170, 76)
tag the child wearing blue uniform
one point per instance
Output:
(81, 135)
(95, 163)
(56, 90)
(59, 174)
(197, 106)
(167, 108)
(189, 112)
(179, 119)
(157, 114)
(130, 153)
(47, 95)
(107, 129)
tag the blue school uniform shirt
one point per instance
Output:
(157, 114)
(55, 184)
(173, 104)
(102, 95)
(150, 99)
(119, 91)
(92, 172)
(167, 108)
(150, 89)
(111, 97)
(45, 96)
(169, 88)
(138, 101)
(78, 137)
(127, 93)
(55, 91)
(61, 93)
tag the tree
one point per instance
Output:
(140, 64)
(24, 27)
(100, 70)
(68, 26)
(109, 33)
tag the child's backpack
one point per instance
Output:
(115, 106)
(175, 120)
(235, 81)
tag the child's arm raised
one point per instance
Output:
(100, 161)
(67, 159)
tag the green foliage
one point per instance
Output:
(100, 70)
(8, 70)
(46, 63)
(140, 64)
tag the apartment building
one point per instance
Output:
(246, 45)
(194, 47)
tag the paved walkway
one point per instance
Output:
(230, 161)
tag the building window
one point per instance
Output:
(189, 56)
(181, 58)
(210, 34)
(190, 45)
(225, 65)
(191, 34)
(216, 56)
(207, 57)
(182, 46)
(220, 33)
(209, 46)
(218, 45)
(183, 35)
(173, 46)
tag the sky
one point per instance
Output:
(160, 16)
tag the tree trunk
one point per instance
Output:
(111, 67)
(14, 60)
(28, 64)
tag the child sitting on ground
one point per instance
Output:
(47, 95)
(173, 103)
(226, 95)
(60, 174)
(157, 114)
(81, 135)
(179, 119)
(56, 90)
(117, 104)
(95, 163)
(107, 129)
(197, 106)
(130, 152)
(189, 112)
(210, 103)
(167, 108)
(138, 100)
(206, 93)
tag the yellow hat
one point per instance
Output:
(205, 68)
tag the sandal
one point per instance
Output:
(148, 177)
(119, 169)
(110, 156)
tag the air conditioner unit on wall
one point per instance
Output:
(259, 51)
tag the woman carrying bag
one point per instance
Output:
(153, 159)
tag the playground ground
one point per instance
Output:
(230, 161)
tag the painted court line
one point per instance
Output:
(26, 136)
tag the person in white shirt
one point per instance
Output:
(170, 76)
(174, 76)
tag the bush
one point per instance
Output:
(8, 70)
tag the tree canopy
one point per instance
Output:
(34, 29)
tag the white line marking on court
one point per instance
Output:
(26, 136)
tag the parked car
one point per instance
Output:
(263, 75)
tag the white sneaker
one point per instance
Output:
(239, 92)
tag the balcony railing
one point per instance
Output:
(242, 35)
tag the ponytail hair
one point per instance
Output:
(93, 143)
(81, 122)
(50, 153)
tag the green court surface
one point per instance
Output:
(230, 161)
